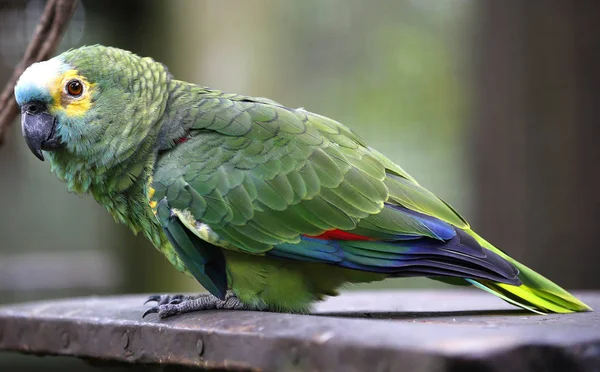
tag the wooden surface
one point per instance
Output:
(458, 330)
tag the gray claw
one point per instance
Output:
(152, 310)
(164, 299)
(153, 298)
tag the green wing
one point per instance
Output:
(258, 174)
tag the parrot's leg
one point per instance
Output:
(169, 305)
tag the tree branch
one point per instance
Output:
(46, 38)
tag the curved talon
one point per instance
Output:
(166, 299)
(153, 298)
(152, 310)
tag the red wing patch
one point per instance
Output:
(181, 140)
(339, 235)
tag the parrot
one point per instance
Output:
(268, 207)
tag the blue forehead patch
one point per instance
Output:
(36, 81)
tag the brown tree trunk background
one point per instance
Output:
(536, 137)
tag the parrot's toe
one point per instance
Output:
(167, 299)
(161, 301)
(152, 310)
(169, 305)
(153, 298)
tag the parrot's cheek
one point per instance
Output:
(39, 129)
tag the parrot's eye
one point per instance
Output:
(74, 88)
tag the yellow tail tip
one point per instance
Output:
(545, 300)
(536, 293)
(534, 300)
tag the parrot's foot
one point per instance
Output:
(169, 305)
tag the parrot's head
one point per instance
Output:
(93, 106)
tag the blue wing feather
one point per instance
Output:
(452, 253)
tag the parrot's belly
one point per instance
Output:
(285, 285)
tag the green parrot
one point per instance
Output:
(268, 207)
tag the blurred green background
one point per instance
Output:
(490, 105)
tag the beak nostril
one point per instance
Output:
(34, 108)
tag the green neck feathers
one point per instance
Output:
(121, 183)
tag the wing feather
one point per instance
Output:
(263, 177)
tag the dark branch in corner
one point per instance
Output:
(46, 38)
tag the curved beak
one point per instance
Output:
(38, 127)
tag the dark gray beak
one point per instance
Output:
(38, 128)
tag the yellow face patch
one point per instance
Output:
(73, 106)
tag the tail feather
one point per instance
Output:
(536, 293)
(489, 287)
